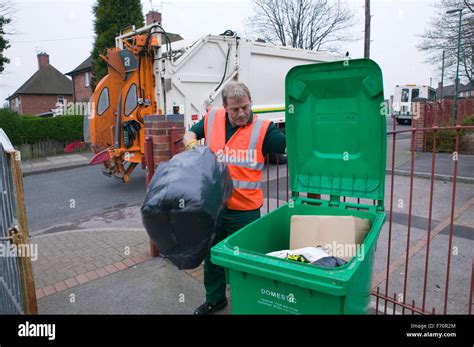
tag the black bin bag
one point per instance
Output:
(183, 205)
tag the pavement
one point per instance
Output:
(104, 266)
(55, 163)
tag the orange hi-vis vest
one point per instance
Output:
(242, 154)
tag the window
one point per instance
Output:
(405, 95)
(414, 94)
(61, 99)
(431, 94)
(86, 79)
(103, 103)
(131, 100)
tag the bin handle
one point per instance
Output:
(342, 205)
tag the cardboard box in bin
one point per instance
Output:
(342, 235)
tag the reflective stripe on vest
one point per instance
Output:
(210, 120)
(255, 132)
(246, 185)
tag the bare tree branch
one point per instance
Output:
(308, 24)
(442, 35)
(469, 6)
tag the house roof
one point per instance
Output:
(86, 65)
(466, 88)
(448, 90)
(47, 80)
(451, 89)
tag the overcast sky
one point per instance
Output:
(64, 29)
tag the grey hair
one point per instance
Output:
(235, 90)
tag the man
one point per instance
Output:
(242, 140)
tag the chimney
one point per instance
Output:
(153, 17)
(43, 60)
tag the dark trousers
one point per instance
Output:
(214, 276)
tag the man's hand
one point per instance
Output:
(189, 140)
(191, 144)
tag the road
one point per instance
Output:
(65, 196)
(399, 127)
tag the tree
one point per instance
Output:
(111, 16)
(442, 35)
(6, 10)
(4, 44)
(308, 24)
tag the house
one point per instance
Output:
(81, 81)
(447, 92)
(466, 91)
(40, 94)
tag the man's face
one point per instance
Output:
(238, 110)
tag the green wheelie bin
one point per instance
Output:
(336, 143)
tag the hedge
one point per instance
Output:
(27, 129)
(446, 139)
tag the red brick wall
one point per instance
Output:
(427, 115)
(158, 128)
(81, 92)
(35, 104)
(418, 121)
(442, 111)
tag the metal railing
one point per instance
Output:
(396, 297)
(17, 290)
(425, 242)
(405, 295)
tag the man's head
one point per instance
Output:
(237, 103)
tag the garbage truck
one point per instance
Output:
(152, 72)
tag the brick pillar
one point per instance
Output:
(418, 121)
(158, 128)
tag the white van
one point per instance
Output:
(404, 95)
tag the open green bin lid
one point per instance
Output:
(336, 129)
